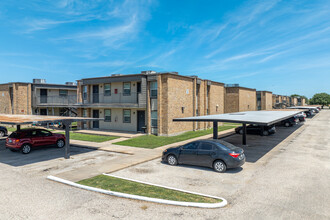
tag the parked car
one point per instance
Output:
(257, 129)
(300, 117)
(308, 113)
(26, 139)
(3, 131)
(288, 122)
(217, 154)
(316, 110)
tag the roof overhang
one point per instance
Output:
(249, 117)
(36, 119)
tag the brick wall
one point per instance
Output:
(232, 99)
(176, 92)
(247, 100)
(5, 103)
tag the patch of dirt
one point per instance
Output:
(142, 170)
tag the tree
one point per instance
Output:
(320, 99)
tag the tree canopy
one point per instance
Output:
(320, 99)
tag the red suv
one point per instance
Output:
(26, 139)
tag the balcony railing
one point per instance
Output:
(56, 100)
(119, 98)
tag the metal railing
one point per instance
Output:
(56, 100)
(118, 98)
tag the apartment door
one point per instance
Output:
(43, 95)
(141, 121)
(95, 93)
(43, 111)
(96, 115)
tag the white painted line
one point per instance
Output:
(143, 198)
(166, 187)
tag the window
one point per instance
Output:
(107, 115)
(127, 88)
(85, 113)
(127, 116)
(107, 89)
(63, 92)
(206, 146)
(44, 133)
(84, 92)
(153, 89)
(154, 118)
(191, 146)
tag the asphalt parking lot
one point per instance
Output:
(205, 180)
(51, 159)
(283, 180)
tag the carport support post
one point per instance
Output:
(244, 134)
(67, 139)
(215, 130)
(18, 127)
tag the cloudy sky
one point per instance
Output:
(281, 46)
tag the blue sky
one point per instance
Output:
(280, 46)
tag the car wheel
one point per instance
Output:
(60, 143)
(287, 124)
(26, 148)
(2, 133)
(265, 133)
(241, 131)
(171, 160)
(219, 166)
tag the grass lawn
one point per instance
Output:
(11, 129)
(134, 188)
(152, 141)
(90, 137)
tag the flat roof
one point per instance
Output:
(302, 107)
(36, 119)
(249, 117)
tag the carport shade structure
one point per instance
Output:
(19, 120)
(264, 118)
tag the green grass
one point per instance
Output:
(152, 141)
(11, 129)
(134, 188)
(90, 137)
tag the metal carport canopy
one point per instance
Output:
(302, 107)
(19, 120)
(249, 117)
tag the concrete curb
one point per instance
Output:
(142, 198)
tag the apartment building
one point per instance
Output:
(264, 100)
(301, 101)
(148, 102)
(238, 99)
(38, 98)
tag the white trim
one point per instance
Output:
(129, 196)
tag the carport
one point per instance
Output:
(19, 120)
(303, 107)
(264, 118)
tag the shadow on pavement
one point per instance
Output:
(258, 146)
(37, 155)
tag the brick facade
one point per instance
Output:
(238, 99)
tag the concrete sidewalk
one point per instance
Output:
(137, 156)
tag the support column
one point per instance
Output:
(215, 130)
(67, 139)
(18, 127)
(244, 134)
